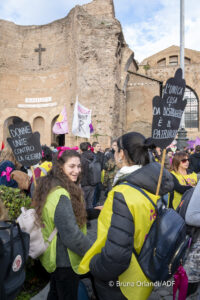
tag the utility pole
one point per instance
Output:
(182, 133)
(182, 45)
(182, 35)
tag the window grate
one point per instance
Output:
(191, 110)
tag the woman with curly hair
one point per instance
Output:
(7, 154)
(59, 203)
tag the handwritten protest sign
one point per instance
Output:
(168, 110)
(81, 121)
(25, 144)
(17, 120)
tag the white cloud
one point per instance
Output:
(162, 29)
(37, 12)
(149, 26)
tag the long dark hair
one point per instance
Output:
(57, 177)
(136, 148)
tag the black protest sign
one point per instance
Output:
(25, 144)
(17, 120)
(168, 110)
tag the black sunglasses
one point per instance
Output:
(184, 160)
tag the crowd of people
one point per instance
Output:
(70, 188)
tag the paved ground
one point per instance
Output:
(164, 293)
(161, 293)
(42, 295)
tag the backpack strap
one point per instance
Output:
(139, 189)
(171, 198)
(22, 242)
(143, 192)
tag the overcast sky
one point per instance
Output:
(148, 25)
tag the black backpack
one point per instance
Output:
(192, 231)
(182, 207)
(165, 246)
(94, 174)
(14, 248)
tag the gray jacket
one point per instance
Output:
(192, 216)
(69, 235)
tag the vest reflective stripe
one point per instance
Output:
(133, 281)
(43, 170)
(191, 179)
(45, 167)
(48, 259)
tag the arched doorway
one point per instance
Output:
(57, 138)
(38, 125)
(6, 124)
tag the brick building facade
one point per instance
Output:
(162, 65)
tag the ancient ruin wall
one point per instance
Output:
(81, 58)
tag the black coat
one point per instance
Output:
(195, 162)
(99, 156)
(85, 158)
(115, 256)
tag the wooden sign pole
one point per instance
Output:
(161, 171)
(34, 180)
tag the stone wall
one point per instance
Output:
(162, 73)
(139, 95)
(85, 55)
(100, 8)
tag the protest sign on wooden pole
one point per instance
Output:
(81, 121)
(25, 144)
(167, 113)
(161, 172)
(33, 173)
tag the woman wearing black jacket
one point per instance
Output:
(124, 223)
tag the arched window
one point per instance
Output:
(58, 138)
(161, 62)
(192, 109)
(173, 60)
(38, 125)
(187, 60)
(8, 122)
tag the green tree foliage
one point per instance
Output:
(13, 200)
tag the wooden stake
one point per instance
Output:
(34, 180)
(161, 172)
